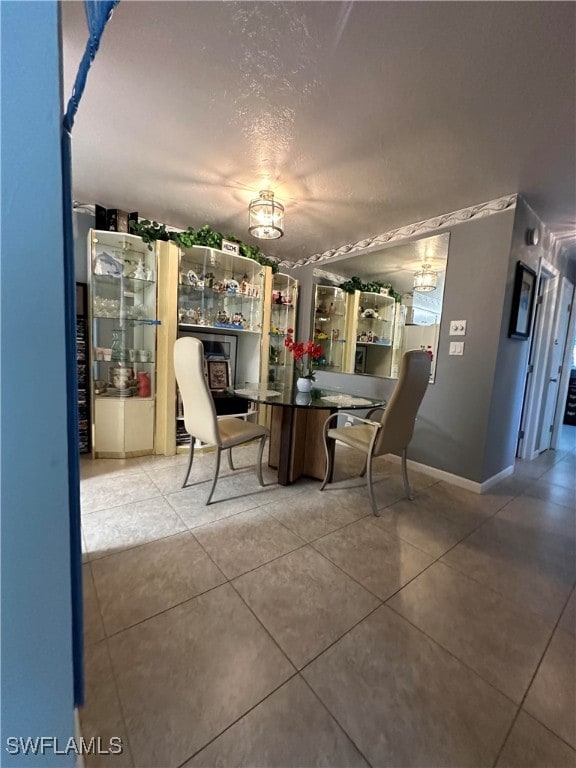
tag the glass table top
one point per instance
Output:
(319, 397)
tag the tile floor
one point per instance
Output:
(282, 626)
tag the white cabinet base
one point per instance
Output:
(124, 428)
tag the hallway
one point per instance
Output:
(287, 627)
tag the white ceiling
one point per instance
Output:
(361, 116)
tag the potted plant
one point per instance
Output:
(304, 368)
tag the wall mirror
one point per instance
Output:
(379, 331)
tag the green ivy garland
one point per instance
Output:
(150, 231)
(357, 284)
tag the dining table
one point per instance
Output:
(296, 420)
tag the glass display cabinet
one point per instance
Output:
(329, 321)
(224, 293)
(123, 333)
(284, 297)
(370, 328)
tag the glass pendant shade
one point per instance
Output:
(425, 279)
(266, 217)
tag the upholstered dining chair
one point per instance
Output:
(393, 432)
(200, 417)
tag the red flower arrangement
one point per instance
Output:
(299, 351)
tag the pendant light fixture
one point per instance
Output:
(266, 217)
(425, 279)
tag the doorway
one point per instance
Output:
(538, 360)
(554, 369)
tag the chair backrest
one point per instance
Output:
(400, 414)
(199, 412)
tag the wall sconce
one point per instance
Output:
(266, 217)
(425, 279)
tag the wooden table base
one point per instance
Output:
(297, 443)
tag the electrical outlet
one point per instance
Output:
(456, 348)
(457, 327)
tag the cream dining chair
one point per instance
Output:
(394, 430)
(200, 417)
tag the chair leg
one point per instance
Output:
(216, 470)
(259, 460)
(407, 489)
(370, 489)
(329, 462)
(190, 459)
(230, 462)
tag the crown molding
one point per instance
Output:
(420, 228)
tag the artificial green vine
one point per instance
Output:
(150, 231)
(357, 284)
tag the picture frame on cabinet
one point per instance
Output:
(360, 360)
(522, 302)
(218, 375)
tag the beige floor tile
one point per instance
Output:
(317, 513)
(190, 503)
(406, 702)
(557, 494)
(530, 745)
(101, 715)
(379, 561)
(138, 583)
(568, 620)
(189, 673)
(246, 541)
(562, 473)
(93, 627)
(552, 696)
(499, 641)
(90, 468)
(111, 530)
(529, 566)
(555, 523)
(104, 492)
(169, 479)
(305, 602)
(153, 463)
(460, 505)
(421, 523)
(289, 729)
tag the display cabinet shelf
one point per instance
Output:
(123, 351)
(284, 299)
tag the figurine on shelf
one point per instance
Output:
(279, 299)
(370, 313)
(232, 286)
(244, 284)
(238, 319)
(222, 317)
(140, 271)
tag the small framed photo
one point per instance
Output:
(218, 375)
(360, 360)
(522, 302)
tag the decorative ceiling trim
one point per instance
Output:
(420, 228)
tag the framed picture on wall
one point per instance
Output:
(218, 377)
(522, 302)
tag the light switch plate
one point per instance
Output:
(457, 327)
(456, 348)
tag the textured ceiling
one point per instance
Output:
(360, 116)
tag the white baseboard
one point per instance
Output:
(448, 477)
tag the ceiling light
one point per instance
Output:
(425, 279)
(266, 217)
